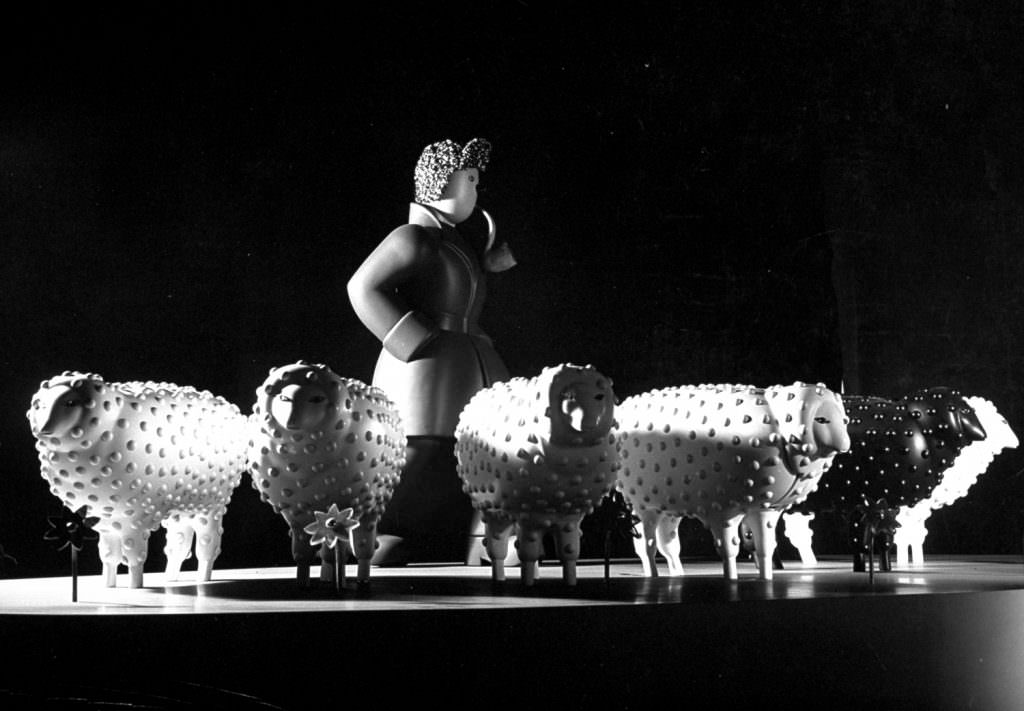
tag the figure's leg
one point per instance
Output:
(178, 546)
(667, 537)
(429, 514)
(646, 546)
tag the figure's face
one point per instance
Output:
(459, 197)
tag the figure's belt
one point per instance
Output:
(459, 324)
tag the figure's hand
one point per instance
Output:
(499, 258)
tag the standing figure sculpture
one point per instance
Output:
(421, 292)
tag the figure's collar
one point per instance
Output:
(426, 216)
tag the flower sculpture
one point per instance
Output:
(72, 528)
(6, 561)
(615, 519)
(876, 522)
(328, 528)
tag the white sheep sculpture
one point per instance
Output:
(972, 461)
(317, 440)
(537, 455)
(725, 455)
(141, 454)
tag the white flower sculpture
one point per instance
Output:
(330, 526)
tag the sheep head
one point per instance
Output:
(946, 414)
(299, 407)
(581, 404)
(64, 404)
(812, 422)
(300, 396)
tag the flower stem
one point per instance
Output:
(74, 574)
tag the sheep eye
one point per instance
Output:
(599, 397)
(284, 398)
(71, 403)
(317, 399)
(822, 420)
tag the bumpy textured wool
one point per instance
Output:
(973, 461)
(722, 454)
(319, 439)
(537, 455)
(900, 450)
(141, 454)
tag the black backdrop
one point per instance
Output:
(793, 191)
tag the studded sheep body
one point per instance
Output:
(972, 461)
(723, 454)
(141, 454)
(537, 455)
(319, 439)
(899, 454)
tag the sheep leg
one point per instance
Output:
(763, 525)
(858, 542)
(109, 547)
(497, 531)
(333, 558)
(178, 547)
(726, 532)
(567, 543)
(341, 553)
(885, 558)
(134, 549)
(326, 563)
(646, 545)
(363, 539)
(909, 537)
(531, 548)
(799, 533)
(917, 552)
(302, 552)
(208, 537)
(668, 543)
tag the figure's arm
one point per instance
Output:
(497, 257)
(402, 330)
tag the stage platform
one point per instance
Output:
(945, 635)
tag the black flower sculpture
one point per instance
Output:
(877, 522)
(6, 561)
(615, 518)
(72, 528)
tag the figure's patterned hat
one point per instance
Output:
(439, 160)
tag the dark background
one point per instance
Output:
(790, 191)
